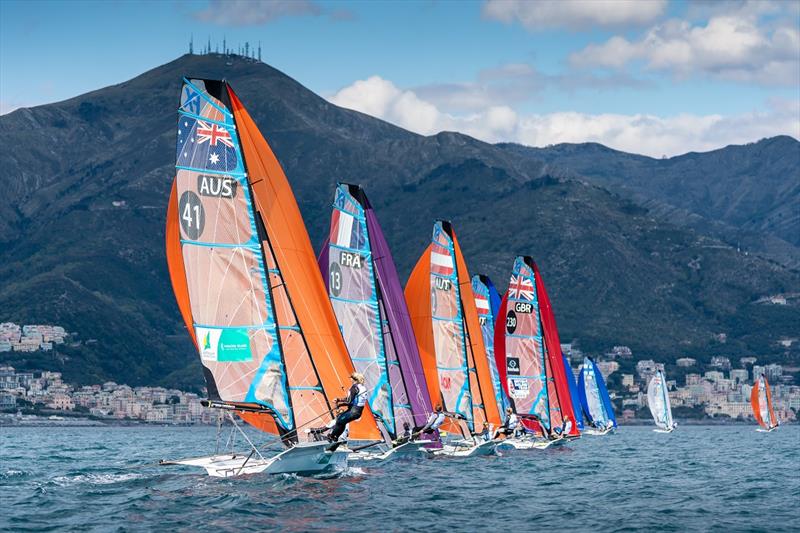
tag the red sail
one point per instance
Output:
(554, 357)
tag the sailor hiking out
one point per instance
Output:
(435, 420)
(355, 402)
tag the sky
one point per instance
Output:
(656, 77)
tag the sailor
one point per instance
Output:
(405, 436)
(509, 425)
(355, 402)
(485, 433)
(435, 420)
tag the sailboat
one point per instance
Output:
(487, 303)
(658, 402)
(250, 292)
(761, 400)
(448, 332)
(595, 400)
(573, 393)
(367, 299)
(530, 361)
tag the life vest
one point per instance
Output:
(436, 420)
(360, 399)
(512, 421)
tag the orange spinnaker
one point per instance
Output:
(754, 404)
(473, 326)
(273, 198)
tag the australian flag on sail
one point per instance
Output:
(205, 145)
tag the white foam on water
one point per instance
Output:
(94, 479)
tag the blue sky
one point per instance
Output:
(654, 76)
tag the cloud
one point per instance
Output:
(736, 46)
(514, 83)
(574, 14)
(638, 133)
(257, 12)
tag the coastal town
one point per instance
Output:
(718, 390)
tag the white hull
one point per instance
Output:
(406, 450)
(306, 458)
(659, 430)
(598, 433)
(770, 430)
(526, 444)
(468, 449)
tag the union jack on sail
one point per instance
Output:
(212, 133)
(520, 288)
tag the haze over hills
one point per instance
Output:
(86, 184)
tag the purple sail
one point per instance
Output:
(370, 307)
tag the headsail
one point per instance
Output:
(487, 303)
(761, 401)
(365, 292)
(594, 396)
(528, 353)
(658, 401)
(445, 321)
(245, 276)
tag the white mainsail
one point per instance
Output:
(658, 401)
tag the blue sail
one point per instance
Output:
(593, 395)
(577, 405)
(487, 302)
(601, 385)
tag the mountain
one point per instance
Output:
(86, 183)
(746, 195)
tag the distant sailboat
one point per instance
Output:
(487, 303)
(529, 356)
(573, 393)
(658, 402)
(249, 290)
(761, 400)
(595, 400)
(368, 301)
(448, 332)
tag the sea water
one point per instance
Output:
(718, 478)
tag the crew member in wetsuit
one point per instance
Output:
(509, 425)
(355, 402)
(435, 420)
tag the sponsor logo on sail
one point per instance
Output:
(512, 365)
(518, 387)
(224, 345)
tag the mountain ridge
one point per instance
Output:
(88, 180)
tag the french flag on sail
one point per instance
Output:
(342, 228)
(441, 260)
(482, 303)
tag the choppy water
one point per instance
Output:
(699, 478)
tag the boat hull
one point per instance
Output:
(303, 459)
(598, 433)
(464, 450)
(406, 450)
